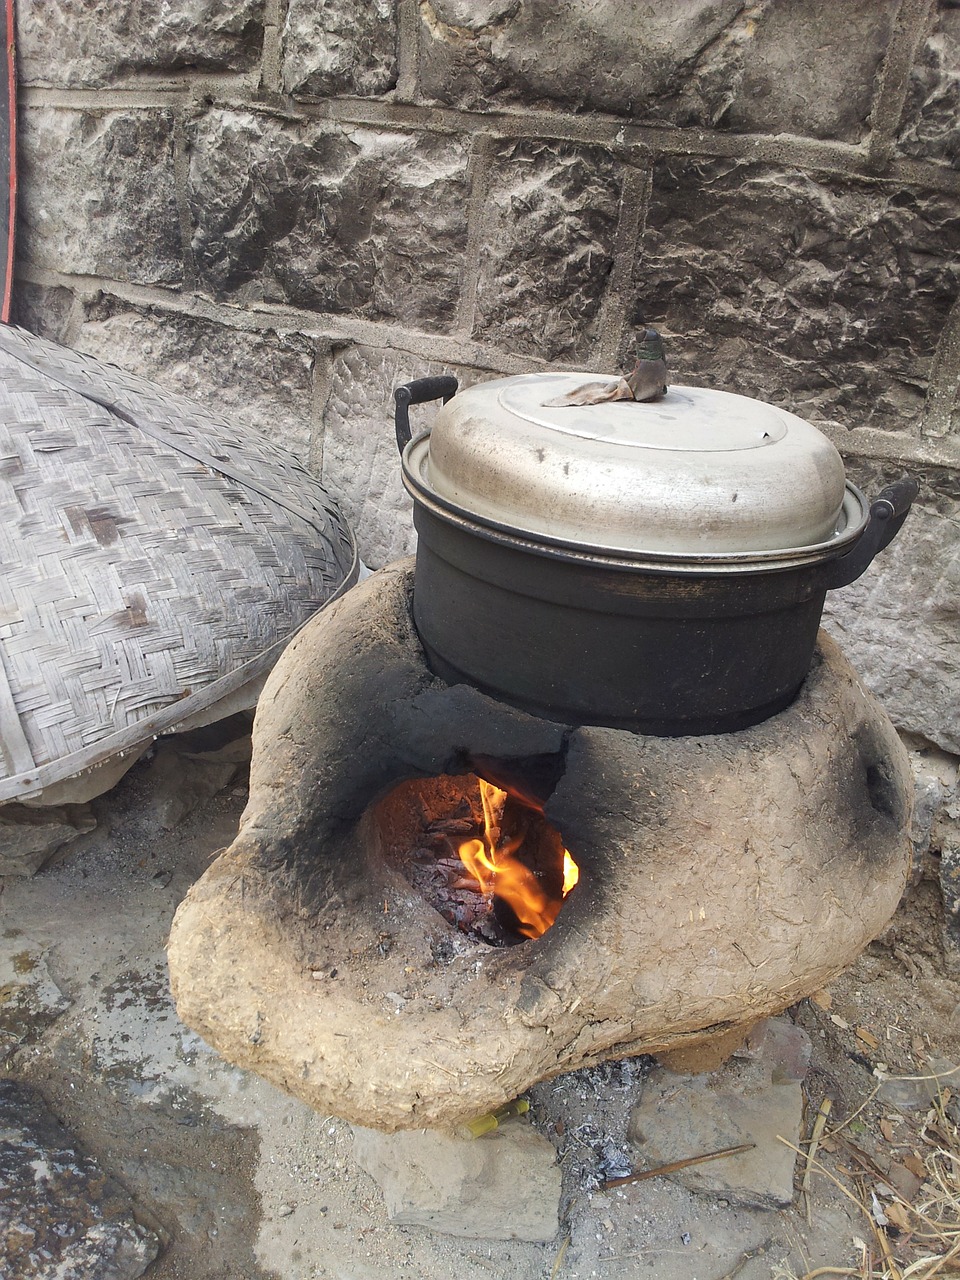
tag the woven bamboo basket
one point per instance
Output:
(154, 561)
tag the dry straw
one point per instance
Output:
(925, 1243)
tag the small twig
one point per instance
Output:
(744, 1258)
(815, 1136)
(675, 1166)
(440, 1067)
(937, 1075)
(871, 1166)
(822, 1168)
(831, 1271)
(884, 1243)
(556, 1266)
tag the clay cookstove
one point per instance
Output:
(341, 949)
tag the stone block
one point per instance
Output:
(180, 781)
(31, 836)
(900, 623)
(929, 127)
(549, 230)
(937, 777)
(81, 43)
(59, 1208)
(330, 48)
(794, 69)
(754, 1099)
(827, 296)
(97, 194)
(760, 66)
(264, 380)
(949, 874)
(331, 219)
(359, 461)
(503, 1186)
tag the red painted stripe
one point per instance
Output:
(12, 162)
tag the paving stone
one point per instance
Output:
(264, 380)
(29, 998)
(750, 1100)
(760, 66)
(503, 1186)
(550, 226)
(60, 1214)
(918, 1092)
(82, 173)
(180, 780)
(930, 126)
(330, 219)
(81, 43)
(829, 296)
(331, 47)
(30, 836)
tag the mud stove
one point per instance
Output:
(721, 878)
(447, 889)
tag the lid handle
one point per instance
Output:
(647, 380)
(418, 392)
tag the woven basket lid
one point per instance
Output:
(154, 561)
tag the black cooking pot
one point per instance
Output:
(655, 567)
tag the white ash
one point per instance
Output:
(585, 1115)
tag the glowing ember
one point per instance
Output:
(494, 864)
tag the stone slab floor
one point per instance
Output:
(225, 1178)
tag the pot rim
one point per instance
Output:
(855, 508)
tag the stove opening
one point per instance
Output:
(482, 855)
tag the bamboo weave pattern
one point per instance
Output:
(151, 555)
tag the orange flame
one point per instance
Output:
(491, 862)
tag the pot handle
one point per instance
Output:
(418, 392)
(887, 513)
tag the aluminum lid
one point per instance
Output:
(696, 473)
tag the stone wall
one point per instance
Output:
(285, 207)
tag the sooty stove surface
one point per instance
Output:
(721, 879)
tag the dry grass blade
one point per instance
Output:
(818, 1126)
(555, 1270)
(747, 1256)
(890, 1272)
(781, 1274)
(928, 1268)
(892, 1268)
(936, 1217)
(831, 1271)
